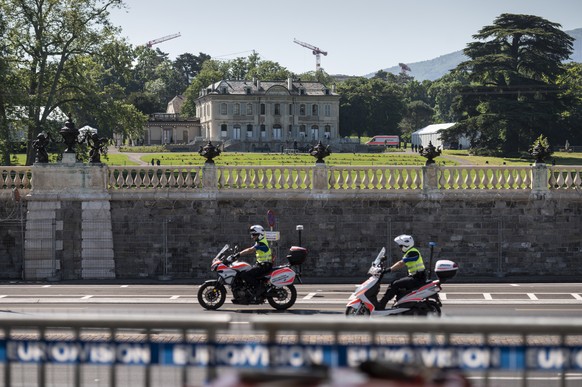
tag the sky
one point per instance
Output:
(360, 37)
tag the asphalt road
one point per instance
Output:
(531, 299)
(507, 300)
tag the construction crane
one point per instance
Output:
(316, 51)
(162, 39)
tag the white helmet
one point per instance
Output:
(257, 230)
(406, 242)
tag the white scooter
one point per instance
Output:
(420, 302)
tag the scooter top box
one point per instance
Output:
(446, 269)
(297, 255)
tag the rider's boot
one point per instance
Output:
(384, 301)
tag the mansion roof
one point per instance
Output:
(292, 87)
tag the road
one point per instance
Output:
(519, 299)
(532, 299)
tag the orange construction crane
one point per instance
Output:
(162, 39)
(316, 51)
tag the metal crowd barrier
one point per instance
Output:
(181, 350)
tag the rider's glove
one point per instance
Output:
(235, 256)
(387, 270)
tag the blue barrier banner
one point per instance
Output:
(468, 358)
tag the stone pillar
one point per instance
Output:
(430, 179)
(320, 177)
(53, 185)
(539, 180)
(209, 177)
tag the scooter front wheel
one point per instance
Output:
(361, 310)
(211, 295)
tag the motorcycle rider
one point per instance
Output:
(264, 260)
(412, 259)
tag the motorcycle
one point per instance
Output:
(279, 290)
(420, 302)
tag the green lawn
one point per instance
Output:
(448, 157)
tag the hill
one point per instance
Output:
(435, 68)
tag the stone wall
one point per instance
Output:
(96, 222)
(488, 235)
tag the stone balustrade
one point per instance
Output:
(332, 178)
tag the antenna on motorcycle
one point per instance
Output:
(432, 245)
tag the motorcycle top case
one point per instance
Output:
(297, 255)
(445, 269)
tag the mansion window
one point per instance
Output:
(263, 109)
(223, 109)
(249, 109)
(327, 110)
(236, 109)
(249, 131)
(277, 132)
(302, 131)
(315, 132)
(236, 132)
(277, 109)
(290, 109)
(223, 131)
(327, 132)
(302, 109)
(314, 110)
(263, 131)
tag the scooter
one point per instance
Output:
(279, 292)
(420, 302)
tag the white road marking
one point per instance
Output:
(309, 296)
(174, 297)
(46, 286)
(532, 296)
(86, 297)
(487, 296)
(514, 285)
(124, 286)
(576, 296)
(443, 296)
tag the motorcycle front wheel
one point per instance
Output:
(359, 311)
(282, 298)
(211, 295)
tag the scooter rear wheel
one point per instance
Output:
(360, 311)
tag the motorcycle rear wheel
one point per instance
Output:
(211, 295)
(282, 298)
(360, 311)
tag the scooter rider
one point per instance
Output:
(264, 260)
(412, 259)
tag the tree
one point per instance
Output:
(370, 107)
(571, 83)
(46, 37)
(513, 69)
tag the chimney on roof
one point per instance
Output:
(290, 84)
(258, 84)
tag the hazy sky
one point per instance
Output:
(361, 37)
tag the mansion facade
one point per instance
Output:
(269, 115)
(252, 116)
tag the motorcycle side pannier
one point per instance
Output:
(297, 255)
(445, 269)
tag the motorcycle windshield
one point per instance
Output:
(376, 263)
(221, 253)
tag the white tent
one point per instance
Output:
(431, 134)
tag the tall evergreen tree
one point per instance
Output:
(513, 69)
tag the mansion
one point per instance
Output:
(253, 116)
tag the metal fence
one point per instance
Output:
(179, 350)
